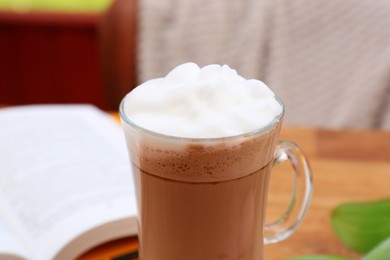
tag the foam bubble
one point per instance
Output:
(209, 102)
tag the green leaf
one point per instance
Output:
(319, 257)
(362, 226)
(381, 252)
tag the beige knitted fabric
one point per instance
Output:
(328, 60)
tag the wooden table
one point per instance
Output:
(347, 166)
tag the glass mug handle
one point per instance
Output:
(302, 190)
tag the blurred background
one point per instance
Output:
(49, 52)
(328, 60)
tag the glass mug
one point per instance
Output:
(206, 198)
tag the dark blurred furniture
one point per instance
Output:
(118, 38)
(68, 57)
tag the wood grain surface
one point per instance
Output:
(347, 165)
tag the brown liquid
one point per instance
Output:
(217, 220)
(201, 200)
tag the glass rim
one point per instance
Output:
(256, 131)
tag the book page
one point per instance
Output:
(10, 247)
(64, 170)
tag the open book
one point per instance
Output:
(65, 181)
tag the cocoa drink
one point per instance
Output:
(202, 187)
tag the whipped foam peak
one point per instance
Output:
(208, 102)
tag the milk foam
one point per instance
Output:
(209, 102)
